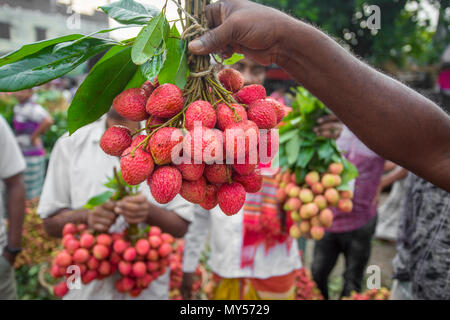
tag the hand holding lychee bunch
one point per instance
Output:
(99, 256)
(308, 205)
(203, 143)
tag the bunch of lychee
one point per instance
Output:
(306, 288)
(206, 151)
(308, 205)
(100, 256)
(371, 294)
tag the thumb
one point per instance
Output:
(213, 40)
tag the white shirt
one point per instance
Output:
(12, 163)
(225, 240)
(77, 170)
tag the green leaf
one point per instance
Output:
(45, 65)
(306, 154)
(349, 173)
(151, 68)
(149, 39)
(136, 81)
(29, 49)
(98, 200)
(300, 174)
(288, 136)
(325, 151)
(95, 95)
(292, 150)
(130, 12)
(175, 69)
(231, 60)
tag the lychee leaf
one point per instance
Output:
(175, 69)
(236, 57)
(151, 68)
(137, 80)
(95, 95)
(292, 150)
(149, 39)
(305, 156)
(98, 200)
(45, 65)
(130, 12)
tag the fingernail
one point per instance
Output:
(195, 45)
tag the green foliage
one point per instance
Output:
(231, 60)
(28, 286)
(95, 95)
(57, 129)
(130, 12)
(301, 150)
(403, 37)
(7, 103)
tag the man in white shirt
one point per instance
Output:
(77, 170)
(12, 164)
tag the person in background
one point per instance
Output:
(31, 121)
(390, 211)
(12, 165)
(77, 171)
(351, 232)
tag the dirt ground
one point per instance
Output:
(382, 254)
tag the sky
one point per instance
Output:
(88, 7)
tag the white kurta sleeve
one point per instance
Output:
(56, 191)
(12, 161)
(195, 239)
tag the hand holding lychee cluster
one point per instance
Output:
(204, 143)
(139, 262)
(308, 204)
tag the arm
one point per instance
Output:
(15, 195)
(41, 129)
(391, 119)
(137, 209)
(393, 176)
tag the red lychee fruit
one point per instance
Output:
(245, 167)
(120, 246)
(89, 276)
(251, 93)
(61, 289)
(55, 272)
(87, 240)
(93, 263)
(226, 116)
(152, 266)
(194, 191)
(155, 241)
(152, 255)
(154, 231)
(100, 251)
(336, 168)
(136, 166)
(217, 173)
(72, 245)
(69, 228)
(200, 113)
(63, 259)
(262, 112)
(231, 198)
(165, 184)
(165, 237)
(231, 79)
(165, 101)
(164, 250)
(130, 104)
(203, 145)
(346, 194)
(115, 140)
(153, 123)
(191, 171)
(139, 269)
(293, 204)
(142, 247)
(345, 205)
(104, 239)
(124, 267)
(241, 139)
(281, 195)
(127, 284)
(81, 255)
(279, 109)
(317, 188)
(81, 227)
(129, 254)
(105, 268)
(115, 258)
(163, 142)
(252, 183)
(67, 238)
(210, 200)
(137, 141)
(149, 87)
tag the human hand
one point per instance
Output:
(36, 141)
(186, 285)
(329, 127)
(242, 26)
(101, 218)
(135, 209)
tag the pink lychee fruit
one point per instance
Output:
(251, 93)
(115, 140)
(203, 145)
(63, 259)
(142, 247)
(312, 178)
(69, 228)
(336, 168)
(231, 198)
(194, 191)
(164, 250)
(252, 183)
(332, 196)
(124, 267)
(105, 268)
(165, 184)
(104, 239)
(130, 254)
(191, 171)
(317, 233)
(87, 240)
(155, 241)
(231, 79)
(60, 289)
(100, 251)
(136, 166)
(326, 217)
(81, 255)
(345, 205)
(93, 263)
(262, 112)
(120, 245)
(210, 200)
(139, 269)
(162, 144)
(149, 87)
(241, 139)
(200, 113)
(226, 116)
(217, 173)
(165, 101)
(130, 104)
